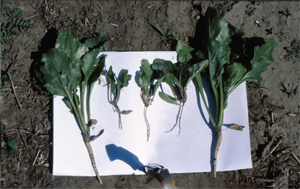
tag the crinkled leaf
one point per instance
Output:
(70, 46)
(168, 98)
(97, 40)
(233, 73)
(60, 73)
(171, 80)
(262, 58)
(123, 79)
(183, 52)
(163, 65)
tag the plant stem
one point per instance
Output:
(119, 114)
(219, 140)
(81, 122)
(218, 127)
(147, 123)
(82, 93)
(91, 154)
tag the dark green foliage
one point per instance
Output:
(13, 25)
(290, 92)
(4, 7)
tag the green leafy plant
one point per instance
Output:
(280, 32)
(3, 7)
(115, 87)
(165, 37)
(178, 76)
(293, 51)
(257, 84)
(290, 92)
(232, 60)
(13, 25)
(69, 66)
(286, 13)
(149, 81)
(229, 60)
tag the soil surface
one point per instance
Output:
(273, 114)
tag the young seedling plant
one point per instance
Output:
(70, 66)
(177, 76)
(232, 59)
(149, 81)
(115, 85)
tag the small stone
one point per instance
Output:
(94, 14)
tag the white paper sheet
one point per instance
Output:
(126, 151)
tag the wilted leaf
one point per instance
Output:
(237, 127)
(183, 52)
(168, 98)
(125, 112)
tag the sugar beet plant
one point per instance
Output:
(73, 65)
(115, 85)
(227, 59)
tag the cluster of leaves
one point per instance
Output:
(12, 26)
(69, 66)
(286, 13)
(115, 86)
(227, 59)
(293, 51)
(177, 76)
(257, 84)
(290, 92)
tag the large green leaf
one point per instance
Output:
(89, 62)
(217, 44)
(233, 73)
(70, 46)
(183, 52)
(262, 58)
(168, 98)
(60, 73)
(195, 69)
(99, 39)
(163, 65)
